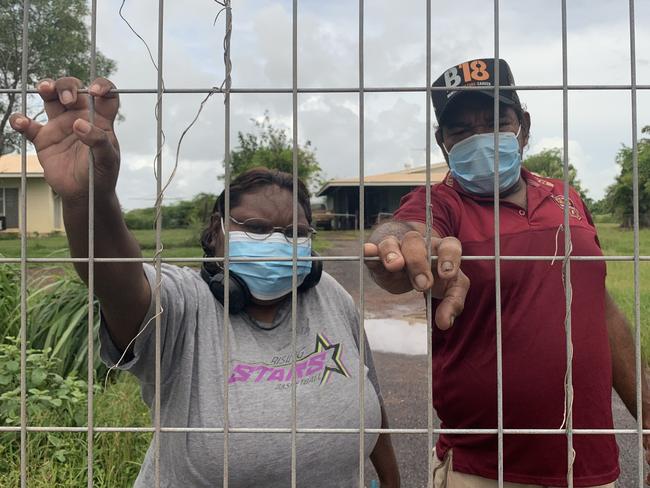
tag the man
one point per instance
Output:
(532, 301)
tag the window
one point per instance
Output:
(57, 209)
(9, 206)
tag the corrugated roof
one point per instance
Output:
(406, 177)
(10, 166)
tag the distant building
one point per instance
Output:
(382, 192)
(44, 209)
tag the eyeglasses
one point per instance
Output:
(261, 229)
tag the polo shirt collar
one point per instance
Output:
(534, 185)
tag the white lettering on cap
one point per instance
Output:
(452, 78)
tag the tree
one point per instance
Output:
(59, 45)
(272, 148)
(193, 213)
(619, 196)
(550, 163)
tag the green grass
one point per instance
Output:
(59, 459)
(620, 275)
(183, 243)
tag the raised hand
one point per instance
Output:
(403, 266)
(62, 143)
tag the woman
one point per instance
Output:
(192, 320)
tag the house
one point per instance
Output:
(383, 192)
(44, 209)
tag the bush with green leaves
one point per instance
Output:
(619, 199)
(59, 458)
(52, 399)
(184, 214)
(57, 316)
(47, 390)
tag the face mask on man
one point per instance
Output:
(268, 280)
(472, 162)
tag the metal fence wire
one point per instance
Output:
(226, 89)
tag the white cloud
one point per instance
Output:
(394, 55)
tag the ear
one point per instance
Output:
(216, 239)
(440, 141)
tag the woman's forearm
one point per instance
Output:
(383, 458)
(121, 287)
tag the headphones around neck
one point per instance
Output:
(238, 292)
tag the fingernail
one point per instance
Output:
(21, 121)
(66, 96)
(421, 281)
(95, 88)
(447, 266)
(83, 126)
(451, 320)
(44, 84)
(392, 256)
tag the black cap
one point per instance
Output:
(477, 72)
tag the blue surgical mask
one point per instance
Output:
(267, 280)
(472, 162)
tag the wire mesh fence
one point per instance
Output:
(226, 90)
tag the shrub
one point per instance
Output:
(59, 458)
(57, 317)
(48, 391)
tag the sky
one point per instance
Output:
(530, 39)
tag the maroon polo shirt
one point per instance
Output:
(533, 337)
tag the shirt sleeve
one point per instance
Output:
(413, 209)
(176, 304)
(585, 211)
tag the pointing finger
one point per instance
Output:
(453, 301)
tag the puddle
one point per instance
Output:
(397, 336)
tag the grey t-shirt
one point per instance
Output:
(192, 375)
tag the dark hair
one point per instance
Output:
(518, 109)
(248, 182)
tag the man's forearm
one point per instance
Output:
(394, 228)
(624, 361)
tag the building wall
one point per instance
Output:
(40, 205)
(378, 199)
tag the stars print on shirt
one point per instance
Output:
(325, 361)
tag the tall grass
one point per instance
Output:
(57, 316)
(618, 241)
(177, 243)
(57, 459)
